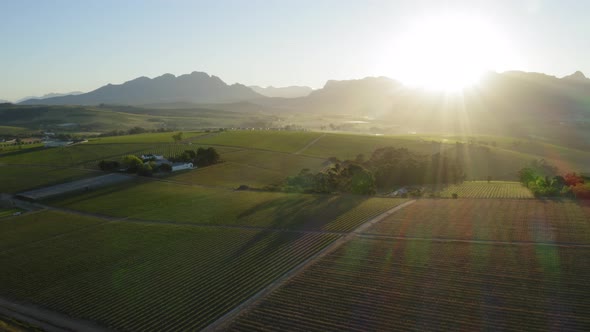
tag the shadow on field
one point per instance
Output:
(23, 151)
(305, 212)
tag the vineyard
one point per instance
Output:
(130, 276)
(282, 141)
(169, 202)
(491, 220)
(33, 227)
(483, 189)
(382, 285)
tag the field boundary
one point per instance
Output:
(48, 320)
(314, 141)
(489, 242)
(223, 320)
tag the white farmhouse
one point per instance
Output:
(181, 166)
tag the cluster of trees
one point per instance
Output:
(568, 185)
(201, 157)
(133, 131)
(350, 177)
(386, 168)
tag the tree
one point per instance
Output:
(572, 179)
(177, 137)
(132, 162)
(526, 175)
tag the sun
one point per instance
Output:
(448, 51)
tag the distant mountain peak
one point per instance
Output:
(196, 87)
(577, 76)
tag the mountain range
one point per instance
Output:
(285, 92)
(196, 87)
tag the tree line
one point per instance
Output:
(386, 168)
(542, 179)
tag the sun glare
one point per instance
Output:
(448, 52)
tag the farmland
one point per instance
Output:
(179, 251)
(162, 201)
(14, 179)
(282, 141)
(132, 276)
(483, 189)
(165, 137)
(491, 220)
(382, 284)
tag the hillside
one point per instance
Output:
(285, 92)
(196, 87)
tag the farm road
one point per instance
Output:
(219, 324)
(310, 144)
(47, 320)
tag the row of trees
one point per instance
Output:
(568, 185)
(386, 168)
(201, 157)
(133, 131)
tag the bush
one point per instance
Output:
(455, 196)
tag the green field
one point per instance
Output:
(382, 285)
(15, 179)
(10, 130)
(509, 220)
(130, 276)
(165, 137)
(254, 168)
(348, 146)
(483, 189)
(282, 141)
(162, 201)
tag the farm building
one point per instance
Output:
(181, 166)
(154, 157)
(54, 144)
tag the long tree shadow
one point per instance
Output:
(304, 212)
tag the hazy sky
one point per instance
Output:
(61, 46)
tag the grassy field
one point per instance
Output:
(170, 202)
(483, 189)
(15, 179)
(282, 141)
(382, 285)
(129, 276)
(491, 220)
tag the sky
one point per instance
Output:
(63, 46)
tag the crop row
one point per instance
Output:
(381, 285)
(482, 189)
(188, 204)
(137, 277)
(493, 220)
